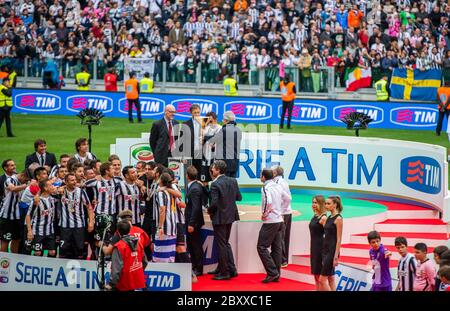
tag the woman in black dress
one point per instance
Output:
(316, 231)
(331, 243)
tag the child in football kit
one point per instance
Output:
(406, 271)
(379, 256)
(426, 272)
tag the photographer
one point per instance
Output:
(111, 80)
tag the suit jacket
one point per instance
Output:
(50, 159)
(224, 194)
(228, 145)
(188, 147)
(173, 36)
(194, 202)
(159, 140)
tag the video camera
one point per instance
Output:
(103, 225)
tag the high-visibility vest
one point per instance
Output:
(443, 97)
(287, 91)
(132, 274)
(146, 85)
(131, 89)
(5, 100)
(380, 87)
(83, 81)
(12, 78)
(229, 85)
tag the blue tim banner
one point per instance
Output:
(415, 84)
(397, 115)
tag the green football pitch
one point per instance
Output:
(60, 132)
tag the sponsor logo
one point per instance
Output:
(174, 166)
(142, 153)
(375, 113)
(414, 116)
(162, 281)
(4, 263)
(77, 103)
(4, 279)
(182, 106)
(150, 106)
(249, 110)
(37, 102)
(4, 270)
(211, 255)
(421, 173)
(306, 113)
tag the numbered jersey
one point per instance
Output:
(42, 216)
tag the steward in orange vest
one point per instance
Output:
(132, 95)
(287, 96)
(443, 99)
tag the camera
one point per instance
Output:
(103, 224)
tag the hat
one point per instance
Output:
(125, 213)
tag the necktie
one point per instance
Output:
(42, 160)
(171, 144)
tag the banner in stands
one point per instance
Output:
(406, 115)
(402, 169)
(140, 66)
(349, 278)
(23, 272)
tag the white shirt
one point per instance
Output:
(286, 208)
(196, 134)
(272, 200)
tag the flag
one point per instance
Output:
(415, 84)
(357, 78)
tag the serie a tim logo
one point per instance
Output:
(422, 174)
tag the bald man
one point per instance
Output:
(163, 136)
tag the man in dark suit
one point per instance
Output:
(192, 138)
(228, 143)
(41, 156)
(194, 219)
(162, 136)
(223, 211)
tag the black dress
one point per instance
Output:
(329, 246)
(316, 231)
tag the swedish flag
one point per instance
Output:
(415, 84)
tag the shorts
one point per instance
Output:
(41, 243)
(9, 229)
(72, 241)
(181, 236)
(378, 288)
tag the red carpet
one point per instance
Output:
(249, 282)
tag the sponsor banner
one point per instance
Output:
(418, 116)
(353, 279)
(402, 169)
(140, 66)
(23, 272)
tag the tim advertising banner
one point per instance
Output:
(417, 116)
(397, 168)
(22, 272)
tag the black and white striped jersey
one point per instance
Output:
(74, 206)
(180, 211)
(88, 156)
(42, 216)
(104, 192)
(164, 199)
(128, 199)
(406, 272)
(9, 206)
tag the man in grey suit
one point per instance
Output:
(223, 211)
(163, 136)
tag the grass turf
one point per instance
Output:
(60, 132)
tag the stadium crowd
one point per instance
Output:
(218, 34)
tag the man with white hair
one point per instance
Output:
(163, 137)
(228, 143)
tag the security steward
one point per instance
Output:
(443, 99)
(288, 91)
(132, 94)
(230, 85)
(6, 106)
(382, 89)
(146, 84)
(83, 79)
(12, 78)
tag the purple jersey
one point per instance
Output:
(382, 276)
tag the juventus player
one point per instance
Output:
(82, 148)
(75, 206)
(128, 194)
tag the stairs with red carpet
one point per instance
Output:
(416, 224)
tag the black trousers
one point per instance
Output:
(286, 106)
(270, 236)
(136, 103)
(194, 246)
(226, 260)
(5, 114)
(286, 237)
(442, 114)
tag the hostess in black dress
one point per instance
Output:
(329, 246)
(316, 231)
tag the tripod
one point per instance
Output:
(101, 259)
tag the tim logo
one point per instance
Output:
(77, 103)
(306, 113)
(162, 281)
(375, 113)
(150, 106)
(37, 102)
(249, 110)
(422, 174)
(182, 106)
(414, 117)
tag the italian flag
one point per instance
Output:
(357, 78)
